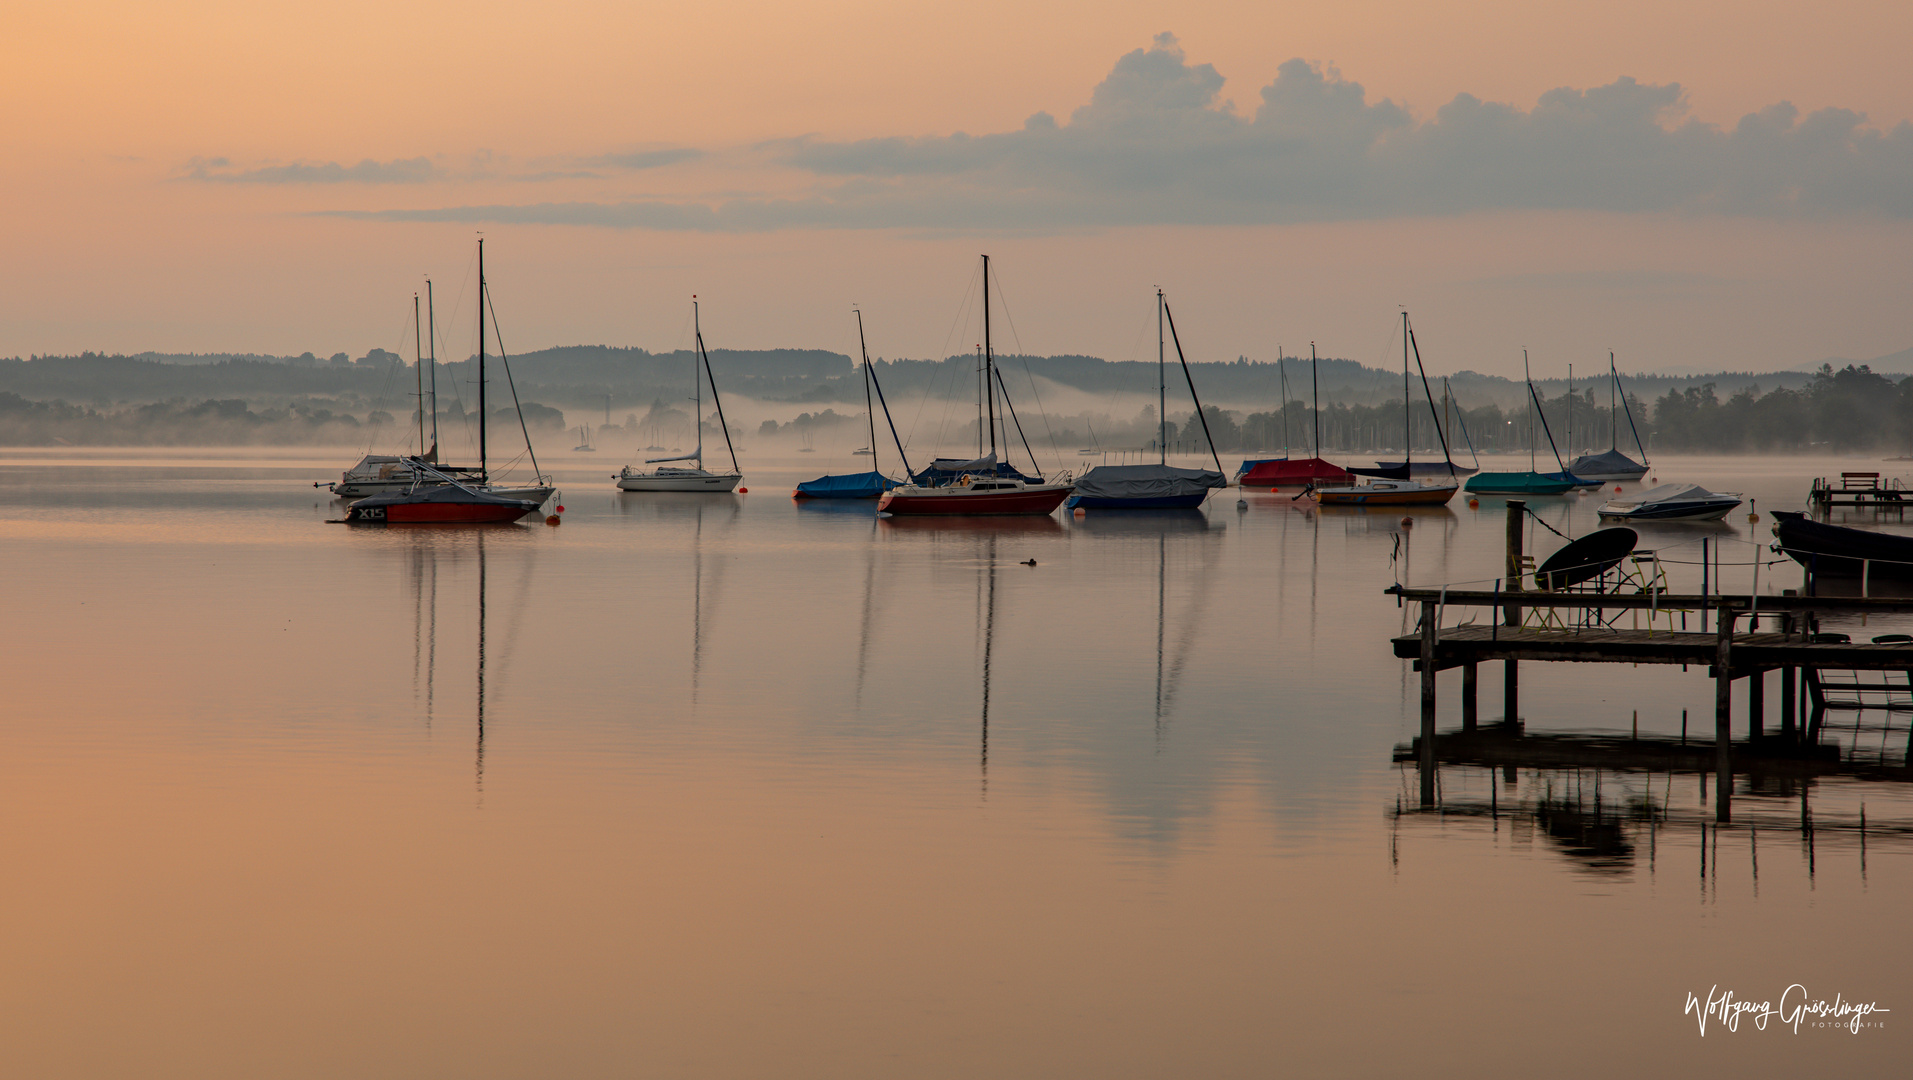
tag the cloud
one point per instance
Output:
(1155, 145)
(397, 171)
(646, 159)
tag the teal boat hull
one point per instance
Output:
(1517, 483)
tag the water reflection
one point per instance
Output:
(1607, 804)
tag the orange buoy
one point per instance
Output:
(561, 508)
(1080, 512)
(553, 519)
(743, 491)
(1408, 523)
(1474, 503)
(1617, 489)
(1753, 511)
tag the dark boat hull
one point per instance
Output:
(442, 505)
(1837, 551)
(1159, 502)
(940, 504)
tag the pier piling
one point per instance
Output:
(1470, 708)
(1428, 673)
(1723, 714)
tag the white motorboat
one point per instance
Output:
(696, 478)
(1671, 502)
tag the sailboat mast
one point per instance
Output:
(418, 372)
(1570, 438)
(1315, 382)
(483, 475)
(1408, 415)
(431, 343)
(697, 380)
(1613, 412)
(989, 357)
(1282, 373)
(870, 411)
(1162, 391)
(1528, 377)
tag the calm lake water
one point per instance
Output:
(736, 787)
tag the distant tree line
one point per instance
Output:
(225, 422)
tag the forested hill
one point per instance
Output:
(579, 376)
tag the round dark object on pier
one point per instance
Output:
(1585, 559)
(1829, 639)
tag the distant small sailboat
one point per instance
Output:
(696, 478)
(863, 485)
(584, 441)
(979, 487)
(1300, 473)
(1161, 486)
(1396, 485)
(1529, 482)
(1613, 465)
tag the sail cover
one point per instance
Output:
(1146, 482)
(946, 470)
(1611, 461)
(863, 485)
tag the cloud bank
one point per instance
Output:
(1155, 146)
(398, 171)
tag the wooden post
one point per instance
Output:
(1511, 691)
(1723, 714)
(1789, 699)
(1469, 710)
(1756, 704)
(1512, 614)
(1428, 630)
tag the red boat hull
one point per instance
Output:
(957, 503)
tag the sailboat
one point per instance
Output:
(386, 474)
(1440, 468)
(863, 485)
(460, 494)
(1613, 465)
(1530, 482)
(584, 441)
(1161, 486)
(979, 486)
(1395, 485)
(1302, 473)
(696, 478)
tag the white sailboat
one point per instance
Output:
(696, 478)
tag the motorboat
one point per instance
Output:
(1671, 502)
(695, 477)
(1839, 551)
(975, 495)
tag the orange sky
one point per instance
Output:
(114, 246)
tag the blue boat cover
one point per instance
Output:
(1250, 463)
(946, 470)
(863, 485)
(1146, 482)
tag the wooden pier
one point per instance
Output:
(1863, 490)
(1735, 650)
